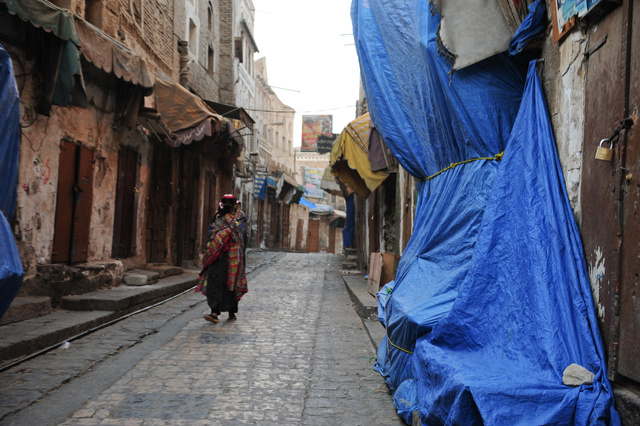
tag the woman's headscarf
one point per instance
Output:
(226, 205)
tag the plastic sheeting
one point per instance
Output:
(491, 300)
(349, 228)
(10, 266)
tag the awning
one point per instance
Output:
(180, 117)
(271, 182)
(47, 16)
(63, 59)
(329, 183)
(259, 187)
(232, 111)
(350, 160)
(290, 192)
(111, 56)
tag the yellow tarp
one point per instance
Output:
(350, 158)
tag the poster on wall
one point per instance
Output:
(312, 182)
(565, 13)
(325, 143)
(312, 126)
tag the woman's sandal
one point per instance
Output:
(211, 318)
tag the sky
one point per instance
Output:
(309, 49)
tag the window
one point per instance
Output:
(238, 49)
(93, 10)
(210, 61)
(210, 17)
(136, 10)
(193, 37)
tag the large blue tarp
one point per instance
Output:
(491, 300)
(10, 266)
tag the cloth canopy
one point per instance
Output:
(52, 19)
(491, 300)
(329, 184)
(112, 56)
(349, 158)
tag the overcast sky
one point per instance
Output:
(309, 48)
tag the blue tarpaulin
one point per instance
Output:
(307, 203)
(491, 300)
(10, 266)
(350, 226)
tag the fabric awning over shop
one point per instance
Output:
(112, 56)
(45, 15)
(65, 65)
(350, 160)
(329, 183)
(232, 111)
(180, 117)
(290, 192)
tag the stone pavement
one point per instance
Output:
(298, 354)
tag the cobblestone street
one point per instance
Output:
(298, 354)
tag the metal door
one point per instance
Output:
(124, 241)
(74, 201)
(158, 205)
(609, 225)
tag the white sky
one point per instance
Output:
(309, 47)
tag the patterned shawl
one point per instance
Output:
(225, 235)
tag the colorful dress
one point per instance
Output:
(223, 266)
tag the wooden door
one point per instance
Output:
(210, 203)
(299, 229)
(407, 211)
(373, 220)
(313, 236)
(159, 204)
(188, 206)
(332, 239)
(124, 241)
(74, 202)
(286, 223)
(610, 226)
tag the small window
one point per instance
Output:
(136, 10)
(93, 10)
(193, 37)
(210, 61)
(238, 49)
(210, 17)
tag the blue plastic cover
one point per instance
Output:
(491, 300)
(531, 28)
(10, 266)
(350, 226)
(9, 136)
(307, 203)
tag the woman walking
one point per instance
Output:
(222, 278)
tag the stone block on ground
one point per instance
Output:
(137, 277)
(24, 308)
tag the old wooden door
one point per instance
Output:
(332, 239)
(610, 191)
(210, 203)
(124, 223)
(286, 211)
(313, 236)
(158, 204)
(73, 206)
(373, 219)
(407, 211)
(188, 205)
(299, 229)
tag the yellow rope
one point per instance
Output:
(496, 157)
(398, 347)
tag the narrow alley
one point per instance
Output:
(298, 354)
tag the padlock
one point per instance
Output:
(602, 153)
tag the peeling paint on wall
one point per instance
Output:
(596, 274)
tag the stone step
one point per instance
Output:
(349, 265)
(129, 298)
(136, 277)
(26, 307)
(164, 270)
